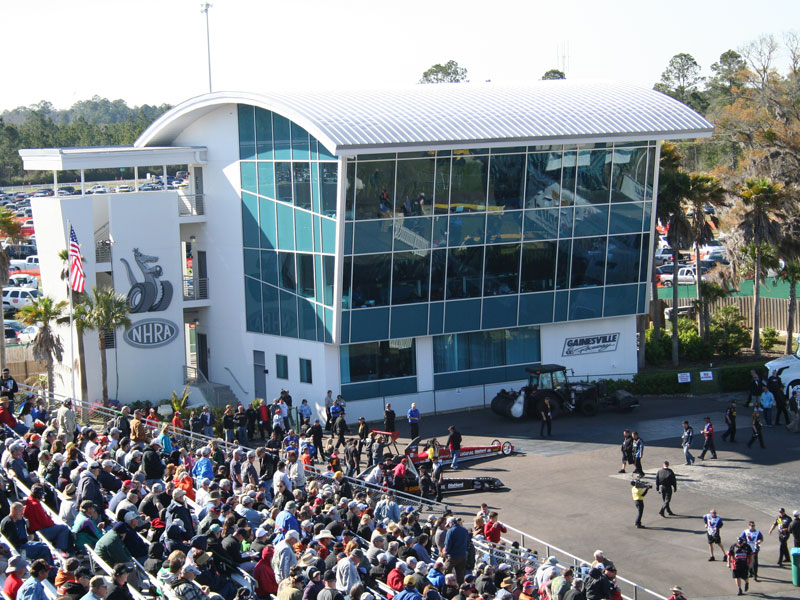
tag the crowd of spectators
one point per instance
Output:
(275, 517)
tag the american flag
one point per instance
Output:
(77, 278)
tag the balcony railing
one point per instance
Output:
(102, 251)
(195, 289)
(190, 205)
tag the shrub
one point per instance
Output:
(657, 351)
(690, 344)
(728, 332)
(769, 337)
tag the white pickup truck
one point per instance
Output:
(686, 276)
(32, 262)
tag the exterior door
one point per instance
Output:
(202, 354)
(259, 374)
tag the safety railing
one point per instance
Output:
(191, 205)
(194, 377)
(102, 251)
(195, 288)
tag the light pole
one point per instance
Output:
(204, 9)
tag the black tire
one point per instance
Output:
(141, 297)
(495, 443)
(588, 409)
(166, 297)
(667, 283)
(507, 448)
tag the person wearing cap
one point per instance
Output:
(329, 592)
(203, 468)
(111, 546)
(232, 546)
(782, 525)
(119, 590)
(456, 546)
(88, 487)
(546, 571)
(286, 520)
(106, 478)
(87, 525)
(39, 520)
(15, 529)
(347, 571)
(138, 429)
(315, 584)
(178, 509)
(32, 588)
(794, 528)
(285, 557)
(740, 559)
(76, 587)
(8, 387)
(677, 593)
(185, 587)
(17, 567)
(409, 591)
(18, 465)
(387, 508)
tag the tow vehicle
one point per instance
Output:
(550, 381)
(788, 368)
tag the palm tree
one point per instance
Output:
(109, 312)
(763, 202)
(44, 312)
(703, 190)
(791, 275)
(80, 310)
(12, 229)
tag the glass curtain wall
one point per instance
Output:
(289, 183)
(495, 238)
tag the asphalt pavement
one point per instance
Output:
(565, 490)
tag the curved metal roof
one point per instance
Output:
(459, 115)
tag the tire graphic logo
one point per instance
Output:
(151, 294)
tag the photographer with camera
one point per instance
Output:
(639, 490)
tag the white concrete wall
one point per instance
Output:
(613, 364)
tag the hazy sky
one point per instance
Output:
(154, 51)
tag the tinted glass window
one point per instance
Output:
(438, 262)
(374, 189)
(590, 220)
(541, 224)
(543, 187)
(502, 270)
(588, 261)
(538, 267)
(464, 270)
(503, 226)
(329, 187)
(410, 274)
(506, 180)
(302, 185)
(305, 275)
(466, 230)
(412, 233)
(283, 178)
(378, 360)
(371, 275)
(594, 177)
(622, 264)
(630, 174)
(287, 272)
(442, 186)
(415, 181)
(468, 183)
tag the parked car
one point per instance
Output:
(31, 262)
(43, 192)
(11, 335)
(97, 189)
(16, 298)
(788, 368)
(683, 311)
(149, 187)
(686, 276)
(20, 251)
(24, 280)
(124, 188)
(66, 190)
(27, 335)
(15, 325)
(663, 255)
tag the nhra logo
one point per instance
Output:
(151, 333)
(591, 344)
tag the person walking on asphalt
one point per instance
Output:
(413, 420)
(713, 524)
(756, 430)
(638, 452)
(739, 558)
(639, 490)
(388, 419)
(730, 421)
(794, 529)
(754, 538)
(627, 449)
(666, 484)
(708, 441)
(767, 401)
(782, 524)
(686, 442)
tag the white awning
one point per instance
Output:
(109, 157)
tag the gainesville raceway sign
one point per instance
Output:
(590, 344)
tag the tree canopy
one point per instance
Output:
(449, 72)
(554, 74)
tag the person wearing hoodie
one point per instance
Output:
(155, 558)
(266, 584)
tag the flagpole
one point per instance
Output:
(71, 318)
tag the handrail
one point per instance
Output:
(194, 376)
(244, 391)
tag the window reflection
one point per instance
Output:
(466, 230)
(305, 275)
(594, 177)
(283, 178)
(438, 262)
(371, 275)
(543, 187)
(328, 187)
(622, 264)
(302, 185)
(468, 181)
(541, 224)
(442, 186)
(374, 189)
(286, 266)
(504, 226)
(538, 267)
(588, 262)
(410, 274)
(412, 234)
(501, 275)
(415, 182)
(378, 360)
(630, 174)
(591, 220)
(506, 180)
(464, 270)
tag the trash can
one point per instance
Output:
(795, 552)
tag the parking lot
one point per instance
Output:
(566, 490)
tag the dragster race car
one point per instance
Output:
(427, 485)
(433, 452)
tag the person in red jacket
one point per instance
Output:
(493, 528)
(265, 575)
(177, 422)
(39, 520)
(394, 579)
(7, 418)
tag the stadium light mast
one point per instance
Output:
(204, 9)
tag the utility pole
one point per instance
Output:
(204, 9)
